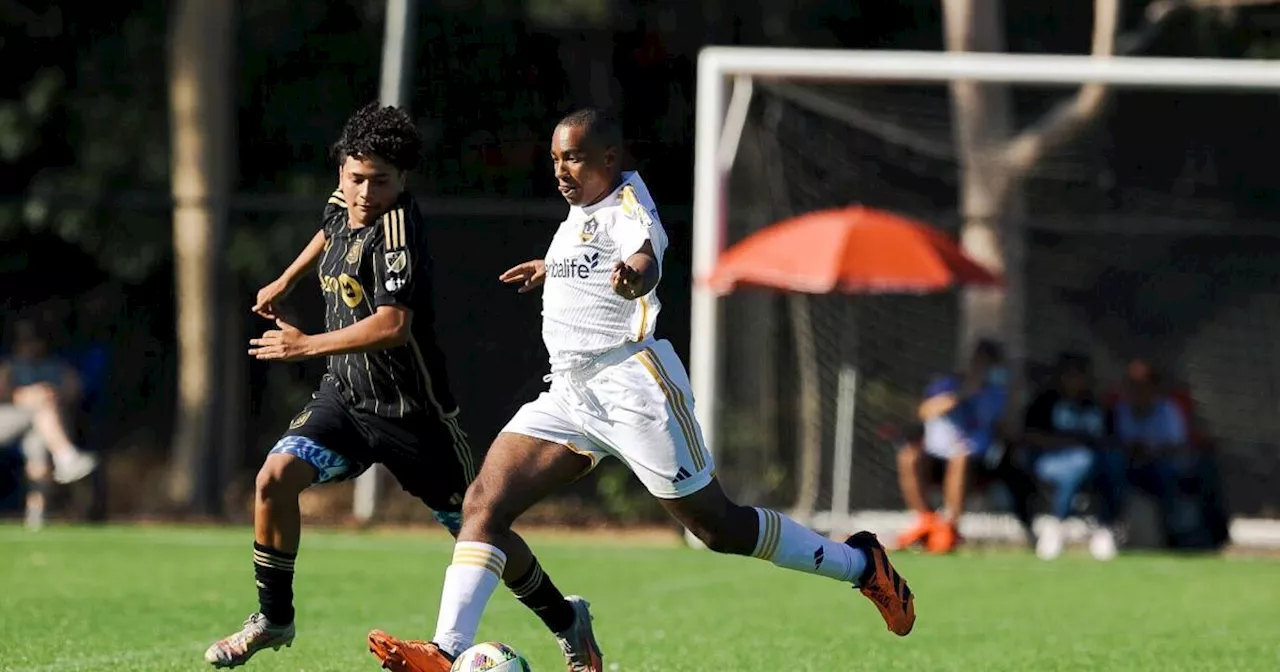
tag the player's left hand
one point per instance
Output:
(627, 282)
(283, 344)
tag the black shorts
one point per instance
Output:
(428, 455)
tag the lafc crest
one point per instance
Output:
(353, 252)
(589, 230)
(301, 420)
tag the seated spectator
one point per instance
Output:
(1064, 428)
(960, 416)
(1152, 451)
(36, 392)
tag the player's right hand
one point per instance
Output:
(267, 297)
(528, 275)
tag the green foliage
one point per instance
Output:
(92, 128)
(622, 497)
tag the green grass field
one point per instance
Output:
(140, 599)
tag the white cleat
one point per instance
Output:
(1051, 541)
(581, 652)
(1102, 545)
(73, 467)
(257, 634)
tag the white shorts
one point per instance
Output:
(942, 439)
(633, 403)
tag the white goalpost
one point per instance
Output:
(725, 78)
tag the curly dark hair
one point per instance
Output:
(599, 127)
(385, 132)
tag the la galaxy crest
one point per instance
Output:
(589, 230)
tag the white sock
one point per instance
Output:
(468, 584)
(786, 543)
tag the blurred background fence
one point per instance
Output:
(86, 216)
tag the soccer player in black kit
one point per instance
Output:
(385, 398)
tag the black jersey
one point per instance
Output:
(384, 263)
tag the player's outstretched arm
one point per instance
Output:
(388, 327)
(638, 275)
(280, 287)
(528, 275)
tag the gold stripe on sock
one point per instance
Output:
(531, 584)
(769, 533)
(772, 551)
(479, 557)
(272, 561)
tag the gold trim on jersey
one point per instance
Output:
(393, 230)
(336, 198)
(630, 202)
(644, 319)
(377, 282)
(450, 418)
(679, 408)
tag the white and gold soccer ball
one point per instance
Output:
(490, 657)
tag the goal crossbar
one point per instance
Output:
(717, 129)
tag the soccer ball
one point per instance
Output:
(490, 657)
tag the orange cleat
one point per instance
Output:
(884, 586)
(943, 538)
(920, 532)
(409, 655)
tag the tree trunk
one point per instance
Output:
(990, 201)
(200, 99)
(996, 162)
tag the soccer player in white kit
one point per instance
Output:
(615, 391)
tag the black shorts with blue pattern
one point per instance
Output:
(427, 453)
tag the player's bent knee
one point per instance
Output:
(482, 510)
(732, 533)
(719, 523)
(283, 476)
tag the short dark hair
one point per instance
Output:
(598, 126)
(990, 349)
(386, 132)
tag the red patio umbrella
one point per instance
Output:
(855, 249)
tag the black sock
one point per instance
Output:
(536, 591)
(274, 573)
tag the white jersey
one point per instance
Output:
(582, 316)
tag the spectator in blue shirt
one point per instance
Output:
(1151, 449)
(960, 419)
(36, 391)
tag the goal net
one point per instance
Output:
(1148, 231)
